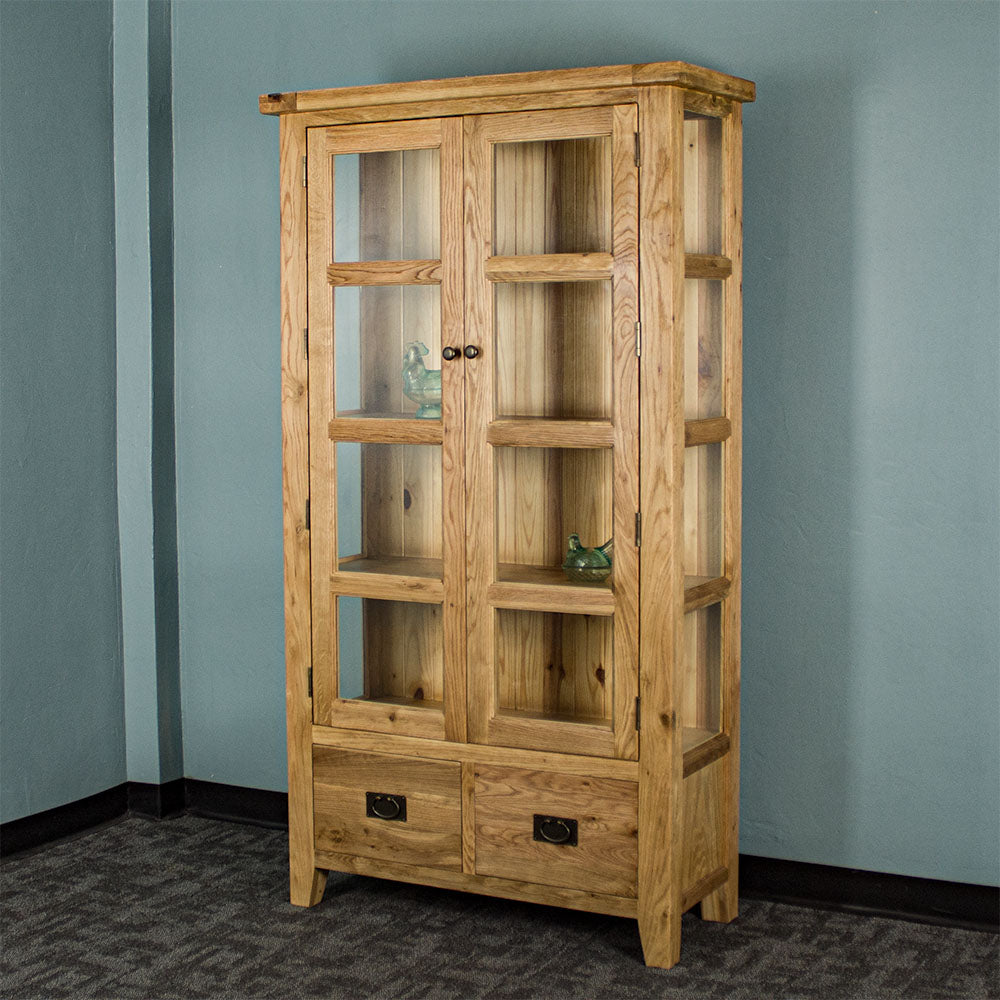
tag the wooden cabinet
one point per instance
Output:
(511, 314)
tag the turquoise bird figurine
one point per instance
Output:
(585, 565)
(421, 385)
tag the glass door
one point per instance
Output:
(386, 418)
(551, 429)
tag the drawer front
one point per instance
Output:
(557, 829)
(388, 807)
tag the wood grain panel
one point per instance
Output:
(528, 892)
(431, 835)
(604, 859)
(306, 881)
(385, 272)
(703, 836)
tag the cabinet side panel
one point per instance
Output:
(722, 905)
(661, 483)
(307, 882)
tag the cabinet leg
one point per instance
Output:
(307, 885)
(660, 934)
(722, 905)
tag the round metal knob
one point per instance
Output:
(385, 807)
(472, 352)
(450, 353)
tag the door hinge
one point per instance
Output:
(309, 680)
(305, 173)
(308, 517)
(636, 711)
(638, 339)
(637, 149)
(305, 343)
(638, 529)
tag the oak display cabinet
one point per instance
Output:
(560, 254)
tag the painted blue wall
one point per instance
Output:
(870, 733)
(62, 731)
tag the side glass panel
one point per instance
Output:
(390, 651)
(387, 351)
(553, 349)
(545, 495)
(387, 205)
(389, 515)
(702, 185)
(703, 352)
(556, 665)
(703, 494)
(552, 196)
(701, 709)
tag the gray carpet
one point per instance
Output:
(193, 907)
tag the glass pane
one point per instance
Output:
(702, 185)
(553, 349)
(552, 196)
(389, 508)
(703, 499)
(387, 205)
(703, 669)
(387, 356)
(544, 495)
(703, 360)
(390, 651)
(558, 665)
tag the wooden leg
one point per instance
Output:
(307, 885)
(660, 933)
(722, 905)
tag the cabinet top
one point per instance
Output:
(509, 85)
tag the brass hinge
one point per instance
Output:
(309, 680)
(305, 173)
(638, 529)
(305, 343)
(638, 339)
(308, 517)
(636, 710)
(637, 149)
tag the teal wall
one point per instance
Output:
(870, 733)
(61, 701)
(872, 392)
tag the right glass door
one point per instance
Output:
(551, 429)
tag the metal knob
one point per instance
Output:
(450, 353)
(472, 352)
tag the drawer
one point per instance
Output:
(388, 807)
(522, 815)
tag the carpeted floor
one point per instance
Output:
(193, 907)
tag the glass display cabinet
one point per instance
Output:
(511, 314)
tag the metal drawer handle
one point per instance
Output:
(382, 805)
(555, 830)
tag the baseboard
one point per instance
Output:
(63, 821)
(156, 801)
(905, 897)
(902, 897)
(256, 806)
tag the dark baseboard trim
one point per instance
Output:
(902, 897)
(156, 801)
(62, 821)
(256, 806)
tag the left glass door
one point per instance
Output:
(386, 427)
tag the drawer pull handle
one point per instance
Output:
(381, 805)
(555, 830)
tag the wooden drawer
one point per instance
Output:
(348, 786)
(605, 854)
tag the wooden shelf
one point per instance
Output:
(576, 720)
(711, 430)
(707, 265)
(551, 267)
(391, 578)
(546, 588)
(702, 747)
(701, 591)
(543, 432)
(432, 706)
(385, 428)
